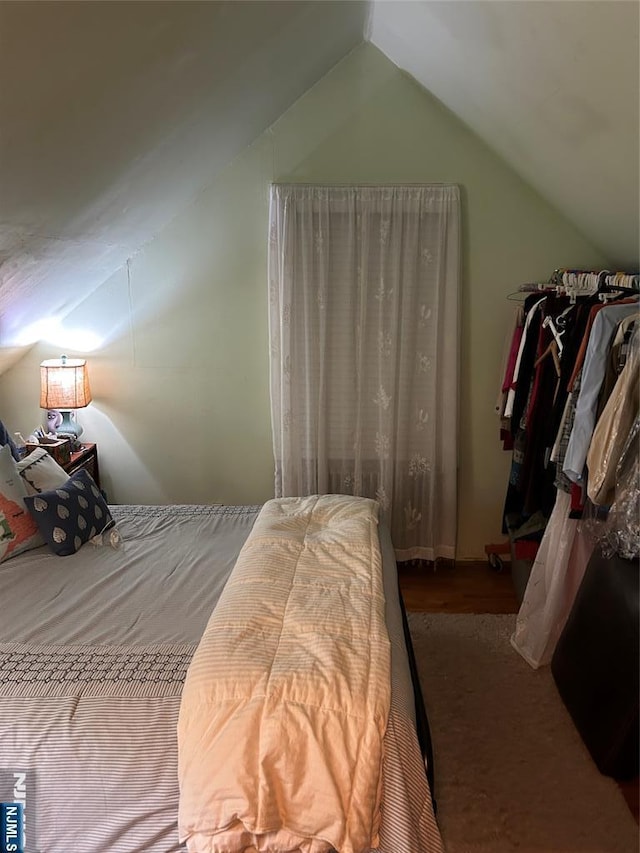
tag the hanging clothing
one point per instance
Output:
(572, 402)
(525, 350)
(536, 477)
(619, 533)
(509, 356)
(593, 313)
(610, 434)
(617, 359)
(593, 373)
(555, 577)
(574, 322)
(538, 397)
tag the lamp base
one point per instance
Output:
(64, 425)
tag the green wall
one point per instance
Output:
(180, 379)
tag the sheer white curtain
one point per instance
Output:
(363, 288)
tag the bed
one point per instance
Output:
(94, 651)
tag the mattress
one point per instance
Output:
(94, 650)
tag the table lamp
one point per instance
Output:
(64, 385)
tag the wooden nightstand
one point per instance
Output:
(87, 458)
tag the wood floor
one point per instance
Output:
(472, 588)
(463, 588)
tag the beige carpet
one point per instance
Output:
(512, 773)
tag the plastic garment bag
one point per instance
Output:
(555, 577)
(619, 533)
(612, 430)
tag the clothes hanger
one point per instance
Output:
(561, 319)
(521, 293)
(548, 323)
(611, 292)
(551, 350)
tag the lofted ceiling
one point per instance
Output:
(553, 87)
(115, 115)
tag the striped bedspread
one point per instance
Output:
(286, 701)
(94, 650)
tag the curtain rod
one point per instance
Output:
(347, 186)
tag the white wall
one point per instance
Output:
(180, 377)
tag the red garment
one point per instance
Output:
(577, 499)
(507, 439)
(542, 345)
(513, 355)
(525, 549)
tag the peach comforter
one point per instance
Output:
(286, 700)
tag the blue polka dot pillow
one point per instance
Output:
(70, 515)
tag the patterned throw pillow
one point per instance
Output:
(18, 530)
(41, 472)
(70, 515)
(5, 438)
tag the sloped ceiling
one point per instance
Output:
(115, 115)
(551, 86)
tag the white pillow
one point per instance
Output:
(18, 530)
(41, 472)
